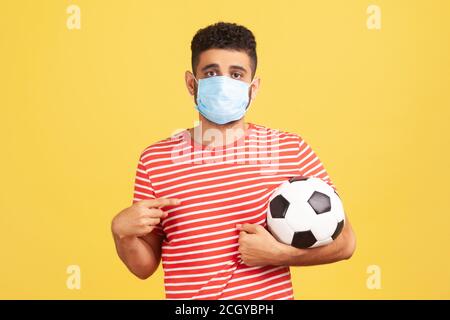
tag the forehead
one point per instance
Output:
(224, 58)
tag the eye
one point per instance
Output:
(210, 73)
(236, 75)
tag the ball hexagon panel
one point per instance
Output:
(324, 226)
(298, 191)
(300, 216)
(320, 185)
(280, 230)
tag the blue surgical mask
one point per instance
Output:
(222, 99)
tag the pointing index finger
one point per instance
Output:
(159, 202)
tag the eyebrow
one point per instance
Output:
(215, 65)
(211, 65)
(238, 67)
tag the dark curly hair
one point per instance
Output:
(224, 35)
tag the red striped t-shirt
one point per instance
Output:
(219, 188)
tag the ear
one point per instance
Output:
(254, 87)
(190, 82)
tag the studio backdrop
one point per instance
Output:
(86, 85)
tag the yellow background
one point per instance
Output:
(78, 107)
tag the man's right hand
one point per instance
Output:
(141, 218)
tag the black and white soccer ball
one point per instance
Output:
(305, 212)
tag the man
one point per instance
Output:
(201, 195)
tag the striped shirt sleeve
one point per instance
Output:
(143, 190)
(310, 165)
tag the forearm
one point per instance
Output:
(137, 255)
(340, 249)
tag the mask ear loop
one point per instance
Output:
(197, 86)
(250, 98)
(251, 89)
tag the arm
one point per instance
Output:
(137, 241)
(137, 230)
(258, 248)
(141, 255)
(341, 249)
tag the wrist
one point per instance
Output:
(281, 254)
(287, 254)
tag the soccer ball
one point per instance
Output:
(305, 212)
